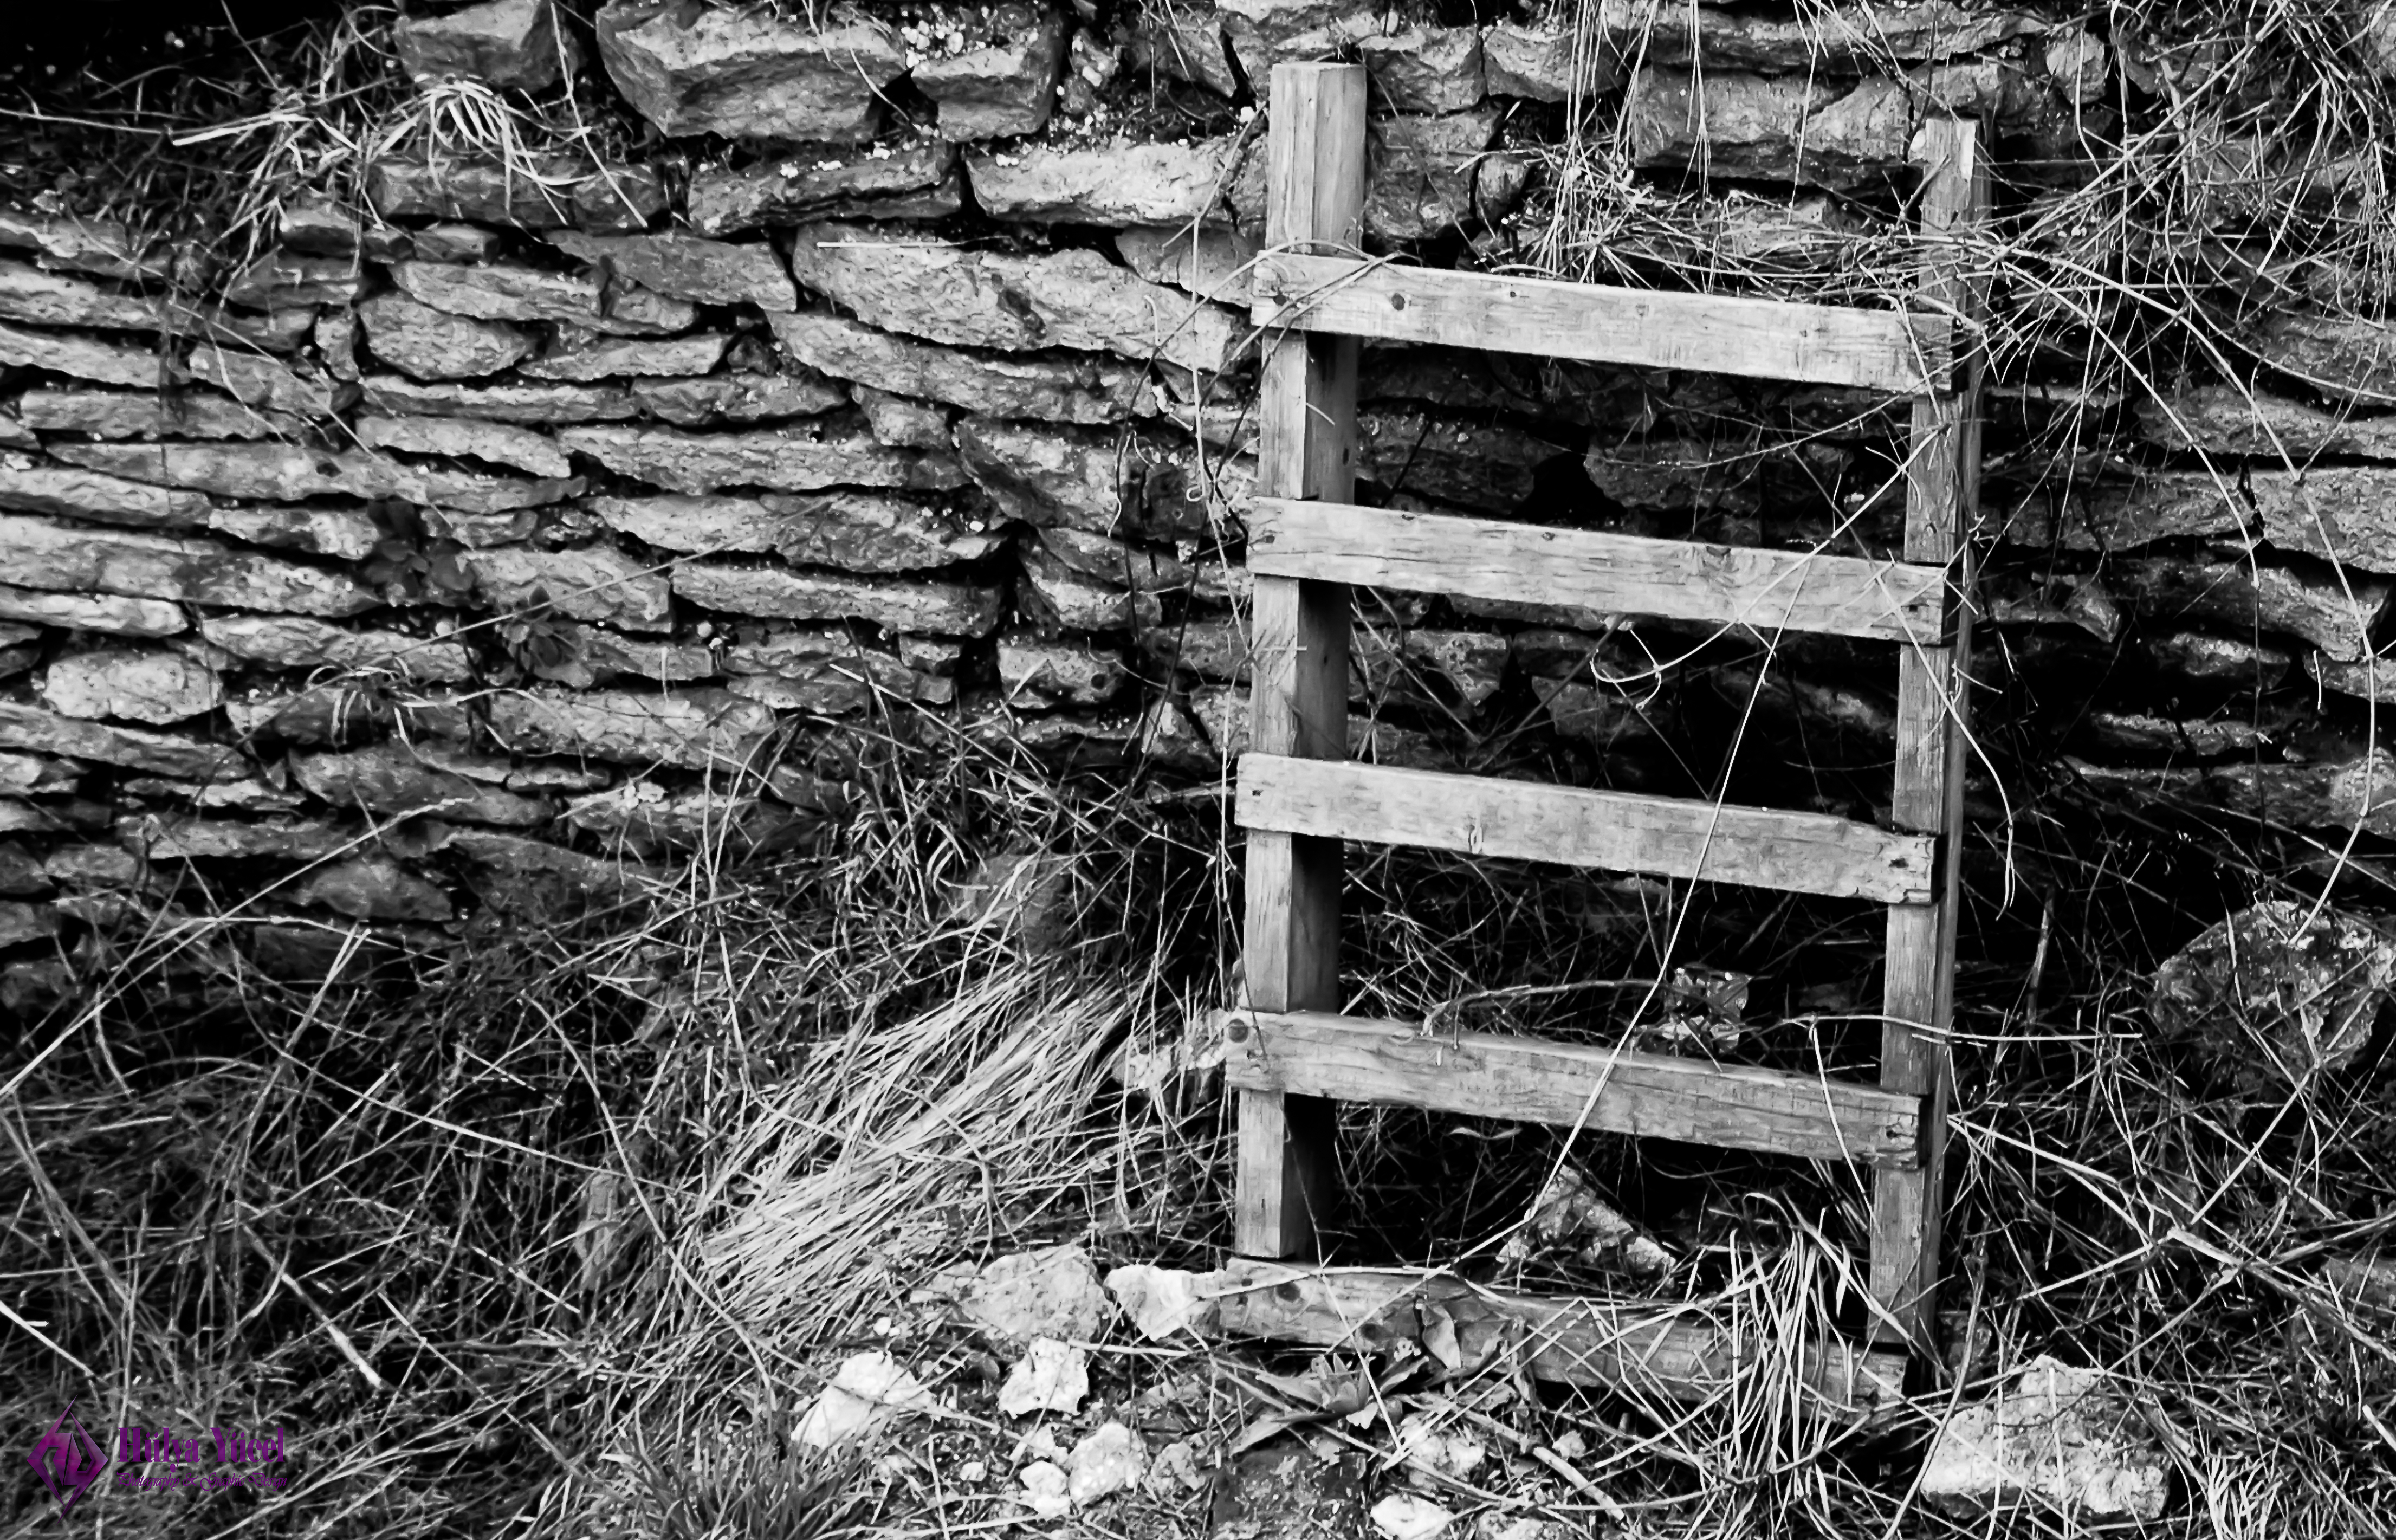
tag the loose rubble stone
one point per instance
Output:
(372, 887)
(36, 553)
(99, 246)
(108, 613)
(291, 641)
(869, 1392)
(78, 493)
(395, 396)
(149, 415)
(2313, 607)
(858, 531)
(686, 267)
(1007, 87)
(2058, 1433)
(1109, 1459)
(2224, 419)
(782, 460)
(1211, 263)
(901, 423)
(941, 609)
(558, 193)
(2276, 992)
(1185, 44)
(1053, 1293)
(501, 444)
(1078, 478)
(500, 43)
(47, 733)
(285, 473)
(581, 354)
(1054, 388)
(708, 401)
(1033, 672)
(950, 294)
(81, 357)
(750, 75)
(1426, 69)
(695, 729)
(392, 779)
(431, 344)
(590, 583)
(1120, 184)
(2346, 357)
(136, 686)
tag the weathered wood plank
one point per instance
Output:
(1298, 694)
(1650, 1351)
(1498, 1075)
(1899, 353)
(1764, 590)
(1933, 701)
(1615, 830)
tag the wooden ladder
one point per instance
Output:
(1291, 1053)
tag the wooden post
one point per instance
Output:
(1299, 700)
(1942, 494)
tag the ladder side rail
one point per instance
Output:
(1942, 473)
(1298, 689)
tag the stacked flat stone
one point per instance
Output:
(484, 547)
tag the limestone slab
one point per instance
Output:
(1006, 86)
(36, 553)
(750, 73)
(1112, 185)
(941, 609)
(1079, 478)
(510, 402)
(2315, 605)
(102, 246)
(948, 293)
(505, 44)
(556, 193)
(109, 614)
(694, 729)
(42, 732)
(75, 493)
(347, 533)
(134, 686)
(2226, 419)
(431, 344)
(81, 357)
(372, 887)
(854, 531)
(709, 401)
(589, 583)
(295, 641)
(391, 781)
(1043, 387)
(279, 278)
(1426, 69)
(261, 382)
(778, 459)
(284, 472)
(501, 444)
(578, 354)
(149, 415)
(688, 266)
(913, 181)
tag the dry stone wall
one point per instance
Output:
(479, 544)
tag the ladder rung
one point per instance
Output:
(1494, 1075)
(1615, 830)
(1764, 590)
(1642, 1349)
(1894, 351)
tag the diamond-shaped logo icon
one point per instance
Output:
(67, 1460)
